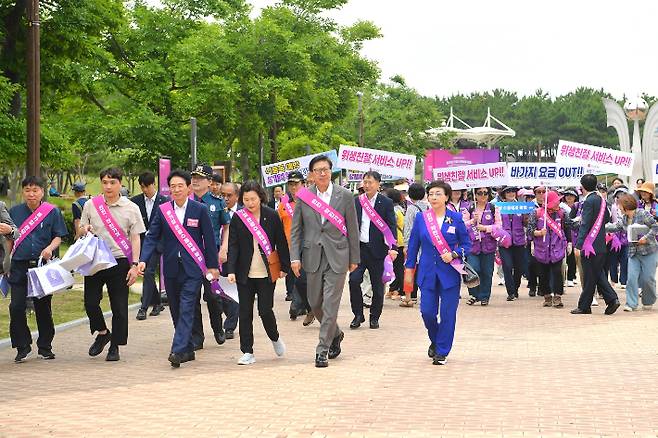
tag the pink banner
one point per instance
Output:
(112, 227)
(325, 210)
(439, 158)
(164, 169)
(32, 222)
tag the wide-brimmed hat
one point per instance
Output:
(509, 189)
(570, 191)
(552, 199)
(648, 187)
(525, 192)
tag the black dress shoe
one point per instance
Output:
(431, 352)
(100, 343)
(190, 356)
(334, 349)
(288, 297)
(156, 310)
(439, 360)
(198, 347)
(113, 353)
(46, 353)
(612, 307)
(579, 311)
(356, 322)
(220, 338)
(229, 334)
(141, 314)
(321, 360)
(175, 359)
(293, 316)
(374, 323)
(22, 353)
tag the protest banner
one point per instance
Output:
(439, 158)
(384, 162)
(654, 171)
(515, 207)
(476, 175)
(544, 174)
(595, 159)
(277, 173)
(164, 169)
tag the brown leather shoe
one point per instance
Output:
(308, 320)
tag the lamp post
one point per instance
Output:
(33, 165)
(193, 136)
(359, 95)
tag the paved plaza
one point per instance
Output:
(516, 369)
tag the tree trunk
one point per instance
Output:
(274, 146)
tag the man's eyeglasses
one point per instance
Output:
(322, 170)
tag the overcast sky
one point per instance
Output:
(444, 48)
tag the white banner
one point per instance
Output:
(356, 176)
(472, 176)
(384, 162)
(654, 171)
(544, 174)
(595, 159)
(277, 173)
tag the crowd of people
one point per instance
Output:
(402, 242)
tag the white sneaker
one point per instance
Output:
(628, 308)
(247, 359)
(570, 283)
(594, 302)
(623, 286)
(279, 347)
(647, 307)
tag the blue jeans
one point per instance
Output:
(618, 259)
(443, 303)
(484, 266)
(641, 273)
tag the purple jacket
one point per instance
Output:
(553, 248)
(513, 224)
(486, 243)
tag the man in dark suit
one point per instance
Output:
(183, 276)
(373, 251)
(593, 264)
(147, 201)
(277, 194)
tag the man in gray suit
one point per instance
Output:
(325, 254)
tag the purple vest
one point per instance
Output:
(513, 224)
(486, 244)
(553, 248)
(463, 206)
(575, 228)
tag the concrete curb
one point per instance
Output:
(5, 343)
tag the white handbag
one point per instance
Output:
(80, 253)
(53, 277)
(103, 259)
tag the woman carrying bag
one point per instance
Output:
(441, 236)
(257, 256)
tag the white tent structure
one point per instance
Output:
(485, 134)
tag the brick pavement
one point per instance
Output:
(516, 370)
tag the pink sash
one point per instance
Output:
(256, 230)
(188, 243)
(550, 222)
(285, 200)
(438, 240)
(325, 210)
(588, 249)
(112, 227)
(32, 222)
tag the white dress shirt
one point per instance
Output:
(364, 234)
(149, 203)
(180, 212)
(232, 210)
(326, 196)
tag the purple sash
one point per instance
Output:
(32, 222)
(285, 200)
(438, 240)
(548, 220)
(325, 210)
(588, 249)
(188, 243)
(256, 230)
(112, 227)
(375, 218)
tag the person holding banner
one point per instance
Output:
(376, 216)
(647, 197)
(591, 244)
(189, 257)
(482, 217)
(514, 258)
(257, 257)
(38, 237)
(325, 227)
(442, 239)
(458, 203)
(119, 223)
(548, 231)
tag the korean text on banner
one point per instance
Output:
(515, 207)
(355, 176)
(595, 159)
(384, 162)
(544, 174)
(475, 175)
(164, 169)
(277, 173)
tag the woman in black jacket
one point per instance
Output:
(248, 266)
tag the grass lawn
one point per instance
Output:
(67, 306)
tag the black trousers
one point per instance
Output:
(150, 291)
(550, 278)
(595, 277)
(300, 294)
(18, 328)
(264, 288)
(533, 270)
(513, 259)
(571, 266)
(375, 267)
(117, 290)
(214, 314)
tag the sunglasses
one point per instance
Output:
(540, 191)
(482, 193)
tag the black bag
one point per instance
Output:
(470, 277)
